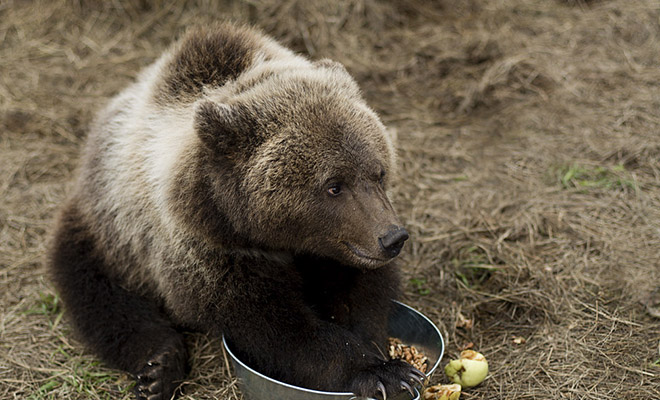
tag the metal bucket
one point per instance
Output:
(404, 322)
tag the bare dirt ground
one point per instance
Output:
(529, 143)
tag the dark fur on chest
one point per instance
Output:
(327, 286)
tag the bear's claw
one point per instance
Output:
(157, 380)
(386, 379)
(419, 373)
(381, 389)
(417, 379)
(408, 388)
(149, 383)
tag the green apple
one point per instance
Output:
(469, 370)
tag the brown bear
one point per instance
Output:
(238, 189)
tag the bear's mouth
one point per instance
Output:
(364, 256)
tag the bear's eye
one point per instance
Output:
(381, 178)
(334, 189)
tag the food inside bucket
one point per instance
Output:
(407, 353)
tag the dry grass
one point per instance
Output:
(530, 175)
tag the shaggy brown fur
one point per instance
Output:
(207, 58)
(239, 189)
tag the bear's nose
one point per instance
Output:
(393, 240)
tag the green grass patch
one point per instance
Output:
(87, 379)
(594, 177)
(47, 304)
(45, 390)
(419, 284)
(472, 268)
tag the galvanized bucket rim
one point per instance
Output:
(442, 340)
(323, 392)
(268, 378)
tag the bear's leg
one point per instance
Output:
(272, 328)
(370, 301)
(125, 330)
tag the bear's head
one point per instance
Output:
(301, 164)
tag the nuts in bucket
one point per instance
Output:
(410, 354)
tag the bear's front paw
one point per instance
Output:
(159, 377)
(387, 379)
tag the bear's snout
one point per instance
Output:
(393, 240)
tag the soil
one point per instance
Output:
(529, 152)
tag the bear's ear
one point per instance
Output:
(331, 65)
(339, 71)
(220, 127)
